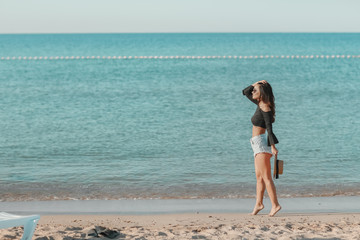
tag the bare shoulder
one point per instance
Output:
(265, 107)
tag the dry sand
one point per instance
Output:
(196, 226)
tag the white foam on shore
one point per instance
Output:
(171, 206)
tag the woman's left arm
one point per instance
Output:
(274, 150)
(272, 140)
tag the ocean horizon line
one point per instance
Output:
(91, 33)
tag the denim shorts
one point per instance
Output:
(259, 144)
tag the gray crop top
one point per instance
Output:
(261, 118)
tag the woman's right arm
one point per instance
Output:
(248, 93)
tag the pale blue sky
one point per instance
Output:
(118, 16)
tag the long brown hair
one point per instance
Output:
(267, 96)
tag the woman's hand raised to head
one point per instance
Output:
(260, 82)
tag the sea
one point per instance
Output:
(162, 116)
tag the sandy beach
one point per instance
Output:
(301, 218)
(195, 226)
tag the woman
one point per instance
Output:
(261, 94)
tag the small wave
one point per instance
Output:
(33, 196)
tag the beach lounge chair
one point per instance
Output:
(29, 222)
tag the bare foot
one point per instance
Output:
(274, 210)
(257, 209)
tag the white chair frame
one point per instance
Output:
(8, 220)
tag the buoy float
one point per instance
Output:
(338, 56)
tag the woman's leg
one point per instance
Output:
(263, 168)
(260, 190)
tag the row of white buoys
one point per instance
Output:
(180, 57)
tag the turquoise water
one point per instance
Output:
(174, 128)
